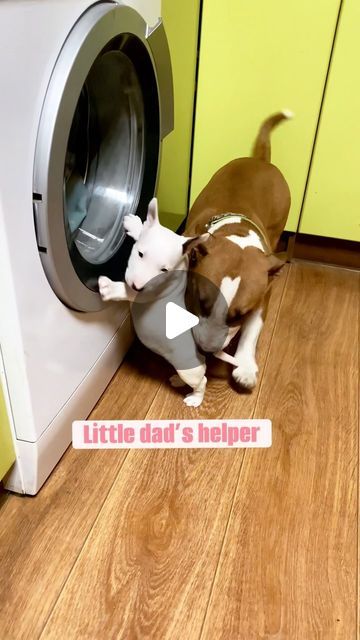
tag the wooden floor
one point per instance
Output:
(210, 544)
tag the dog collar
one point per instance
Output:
(216, 222)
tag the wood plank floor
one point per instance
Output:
(208, 544)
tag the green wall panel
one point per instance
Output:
(181, 24)
(7, 453)
(332, 205)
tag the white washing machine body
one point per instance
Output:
(59, 345)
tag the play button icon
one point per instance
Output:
(178, 320)
(166, 324)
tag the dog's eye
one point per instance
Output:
(205, 306)
(164, 270)
(141, 255)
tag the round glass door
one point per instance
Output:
(108, 104)
(105, 155)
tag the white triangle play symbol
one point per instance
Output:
(178, 320)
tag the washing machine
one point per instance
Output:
(86, 98)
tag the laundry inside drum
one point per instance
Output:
(105, 158)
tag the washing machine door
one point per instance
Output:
(108, 105)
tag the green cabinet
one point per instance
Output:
(332, 203)
(257, 58)
(7, 453)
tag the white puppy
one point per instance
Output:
(157, 250)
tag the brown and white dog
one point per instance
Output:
(237, 221)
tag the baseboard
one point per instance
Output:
(343, 253)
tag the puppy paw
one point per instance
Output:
(245, 373)
(133, 226)
(176, 381)
(105, 288)
(193, 400)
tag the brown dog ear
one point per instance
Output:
(192, 243)
(196, 253)
(189, 243)
(274, 264)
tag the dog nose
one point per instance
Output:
(136, 288)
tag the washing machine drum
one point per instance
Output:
(108, 105)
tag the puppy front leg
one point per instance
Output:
(114, 291)
(196, 379)
(246, 370)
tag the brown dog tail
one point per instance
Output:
(262, 147)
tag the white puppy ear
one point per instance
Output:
(152, 213)
(133, 226)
